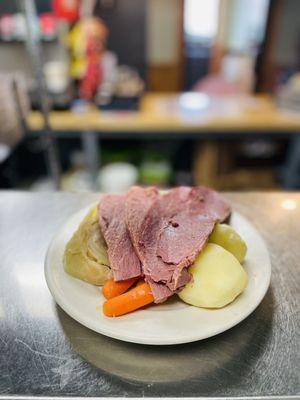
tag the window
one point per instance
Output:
(201, 19)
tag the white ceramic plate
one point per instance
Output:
(173, 322)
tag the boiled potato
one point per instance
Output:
(225, 236)
(218, 278)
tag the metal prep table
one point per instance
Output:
(44, 352)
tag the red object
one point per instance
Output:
(7, 26)
(48, 24)
(216, 85)
(90, 81)
(93, 74)
(66, 9)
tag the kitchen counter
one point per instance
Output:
(170, 115)
(44, 352)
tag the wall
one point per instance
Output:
(287, 50)
(163, 29)
(164, 44)
(126, 20)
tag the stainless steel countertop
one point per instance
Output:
(45, 352)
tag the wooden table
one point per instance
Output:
(174, 113)
(175, 116)
(44, 352)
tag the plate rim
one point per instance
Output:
(131, 339)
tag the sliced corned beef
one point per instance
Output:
(123, 259)
(168, 231)
(157, 235)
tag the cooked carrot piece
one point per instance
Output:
(135, 298)
(112, 289)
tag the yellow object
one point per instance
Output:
(225, 236)
(85, 255)
(218, 278)
(76, 41)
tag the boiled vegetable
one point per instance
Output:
(112, 289)
(218, 278)
(225, 236)
(135, 298)
(85, 254)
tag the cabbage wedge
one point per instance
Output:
(85, 254)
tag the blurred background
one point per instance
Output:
(105, 94)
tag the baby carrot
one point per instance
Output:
(135, 298)
(112, 289)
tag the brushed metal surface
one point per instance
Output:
(43, 352)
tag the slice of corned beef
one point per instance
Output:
(168, 231)
(189, 217)
(143, 212)
(141, 209)
(123, 259)
(139, 204)
(144, 219)
(160, 291)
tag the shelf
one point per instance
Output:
(23, 42)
